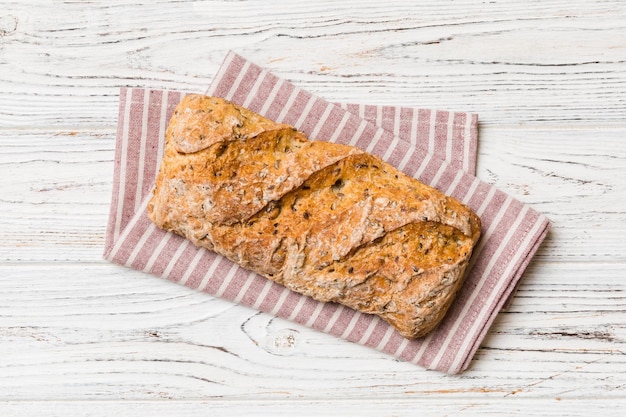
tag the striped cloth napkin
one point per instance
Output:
(437, 147)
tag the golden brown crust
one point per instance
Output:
(325, 220)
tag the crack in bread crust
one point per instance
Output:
(325, 220)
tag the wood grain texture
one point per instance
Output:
(63, 178)
(101, 332)
(538, 62)
(79, 336)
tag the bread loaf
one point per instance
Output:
(325, 220)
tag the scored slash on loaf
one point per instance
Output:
(325, 220)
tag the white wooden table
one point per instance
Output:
(80, 336)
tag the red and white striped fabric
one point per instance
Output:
(437, 147)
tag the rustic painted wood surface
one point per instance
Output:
(79, 336)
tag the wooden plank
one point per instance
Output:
(56, 192)
(447, 406)
(556, 62)
(76, 331)
(57, 188)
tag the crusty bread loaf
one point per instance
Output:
(326, 220)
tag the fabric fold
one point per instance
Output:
(438, 147)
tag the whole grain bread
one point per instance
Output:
(325, 220)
